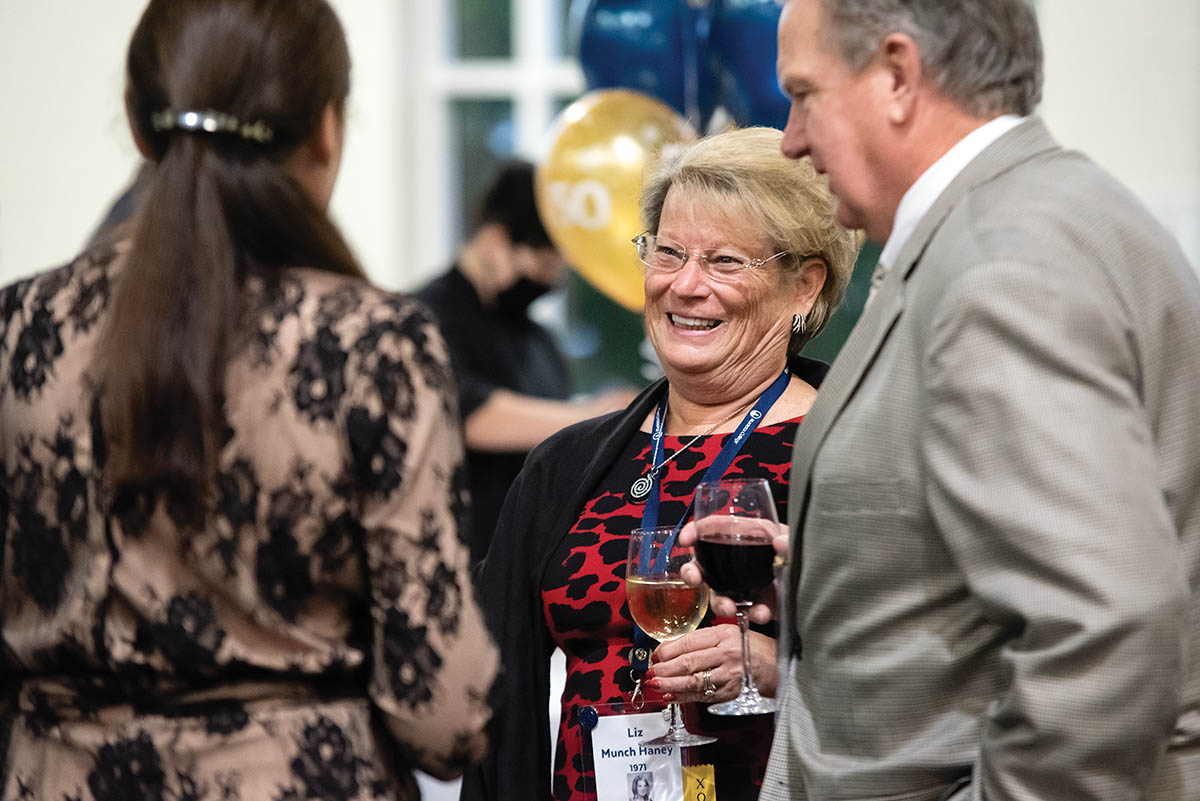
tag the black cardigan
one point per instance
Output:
(544, 502)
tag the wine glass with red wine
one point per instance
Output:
(735, 524)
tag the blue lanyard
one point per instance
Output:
(717, 469)
(643, 644)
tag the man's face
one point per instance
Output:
(837, 118)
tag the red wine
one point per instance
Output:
(740, 568)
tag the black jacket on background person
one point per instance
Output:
(490, 350)
(543, 504)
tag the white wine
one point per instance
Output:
(665, 608)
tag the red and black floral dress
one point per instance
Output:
(583, 594)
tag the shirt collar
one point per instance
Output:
(925, 190)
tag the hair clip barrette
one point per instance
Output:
(211, 122)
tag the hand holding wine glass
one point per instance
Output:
(736, 525)
(664, 605)
(681, 665)
(764, 609)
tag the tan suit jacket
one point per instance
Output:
(995, 508)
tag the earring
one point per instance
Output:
(798, 324)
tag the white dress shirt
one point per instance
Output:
(926, 189)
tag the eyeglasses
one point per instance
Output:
(667, 256)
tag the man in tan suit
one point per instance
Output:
(995, 501)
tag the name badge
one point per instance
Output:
(627, 770)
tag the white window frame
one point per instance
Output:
(533, 80)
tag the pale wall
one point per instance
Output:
(65, 151)
(1123, 85)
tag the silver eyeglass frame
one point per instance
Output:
(644, 243)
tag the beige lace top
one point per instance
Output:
(317, 639)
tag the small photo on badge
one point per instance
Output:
(641, 786)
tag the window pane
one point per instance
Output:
(826, 346)
(483, 131)
(560, 23)
(481, 29)
(562, 102)
(603, 339)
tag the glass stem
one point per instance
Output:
(674, 729)
(747, 677)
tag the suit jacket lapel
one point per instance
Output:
(860, 348)
(1015, 147)
(848, 368)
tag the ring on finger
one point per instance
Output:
(708, 688)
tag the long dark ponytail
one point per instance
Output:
(219, 209)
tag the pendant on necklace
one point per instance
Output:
(640, 489)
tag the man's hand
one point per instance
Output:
(762, 612)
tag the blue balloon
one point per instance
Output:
(742, 52)
(656, 47)
(691, 54)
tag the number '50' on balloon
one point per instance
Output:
(589, 184)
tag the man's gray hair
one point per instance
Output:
(984, 55)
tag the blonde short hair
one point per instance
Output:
(784, 197)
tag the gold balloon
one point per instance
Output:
(588, 186)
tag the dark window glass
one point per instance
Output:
(827, 344)
(561, 31)
(481, 29)
(604, 340)
(562, 102)
(483, 132)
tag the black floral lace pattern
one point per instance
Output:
(36, 552)
(36, 349)
(376, 450)
(326, 765)
(190, 637)
(326, 592)
(318, 373)
(411, 664)
(128, 770)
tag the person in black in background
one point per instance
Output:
(513, 381)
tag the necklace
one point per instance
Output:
(640, 489)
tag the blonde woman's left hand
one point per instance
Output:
(679, 666)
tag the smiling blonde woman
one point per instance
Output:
(744, 263)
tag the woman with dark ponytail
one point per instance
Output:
(232, 483)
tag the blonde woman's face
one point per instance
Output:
(721, 332)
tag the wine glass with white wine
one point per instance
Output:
(664, 605)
